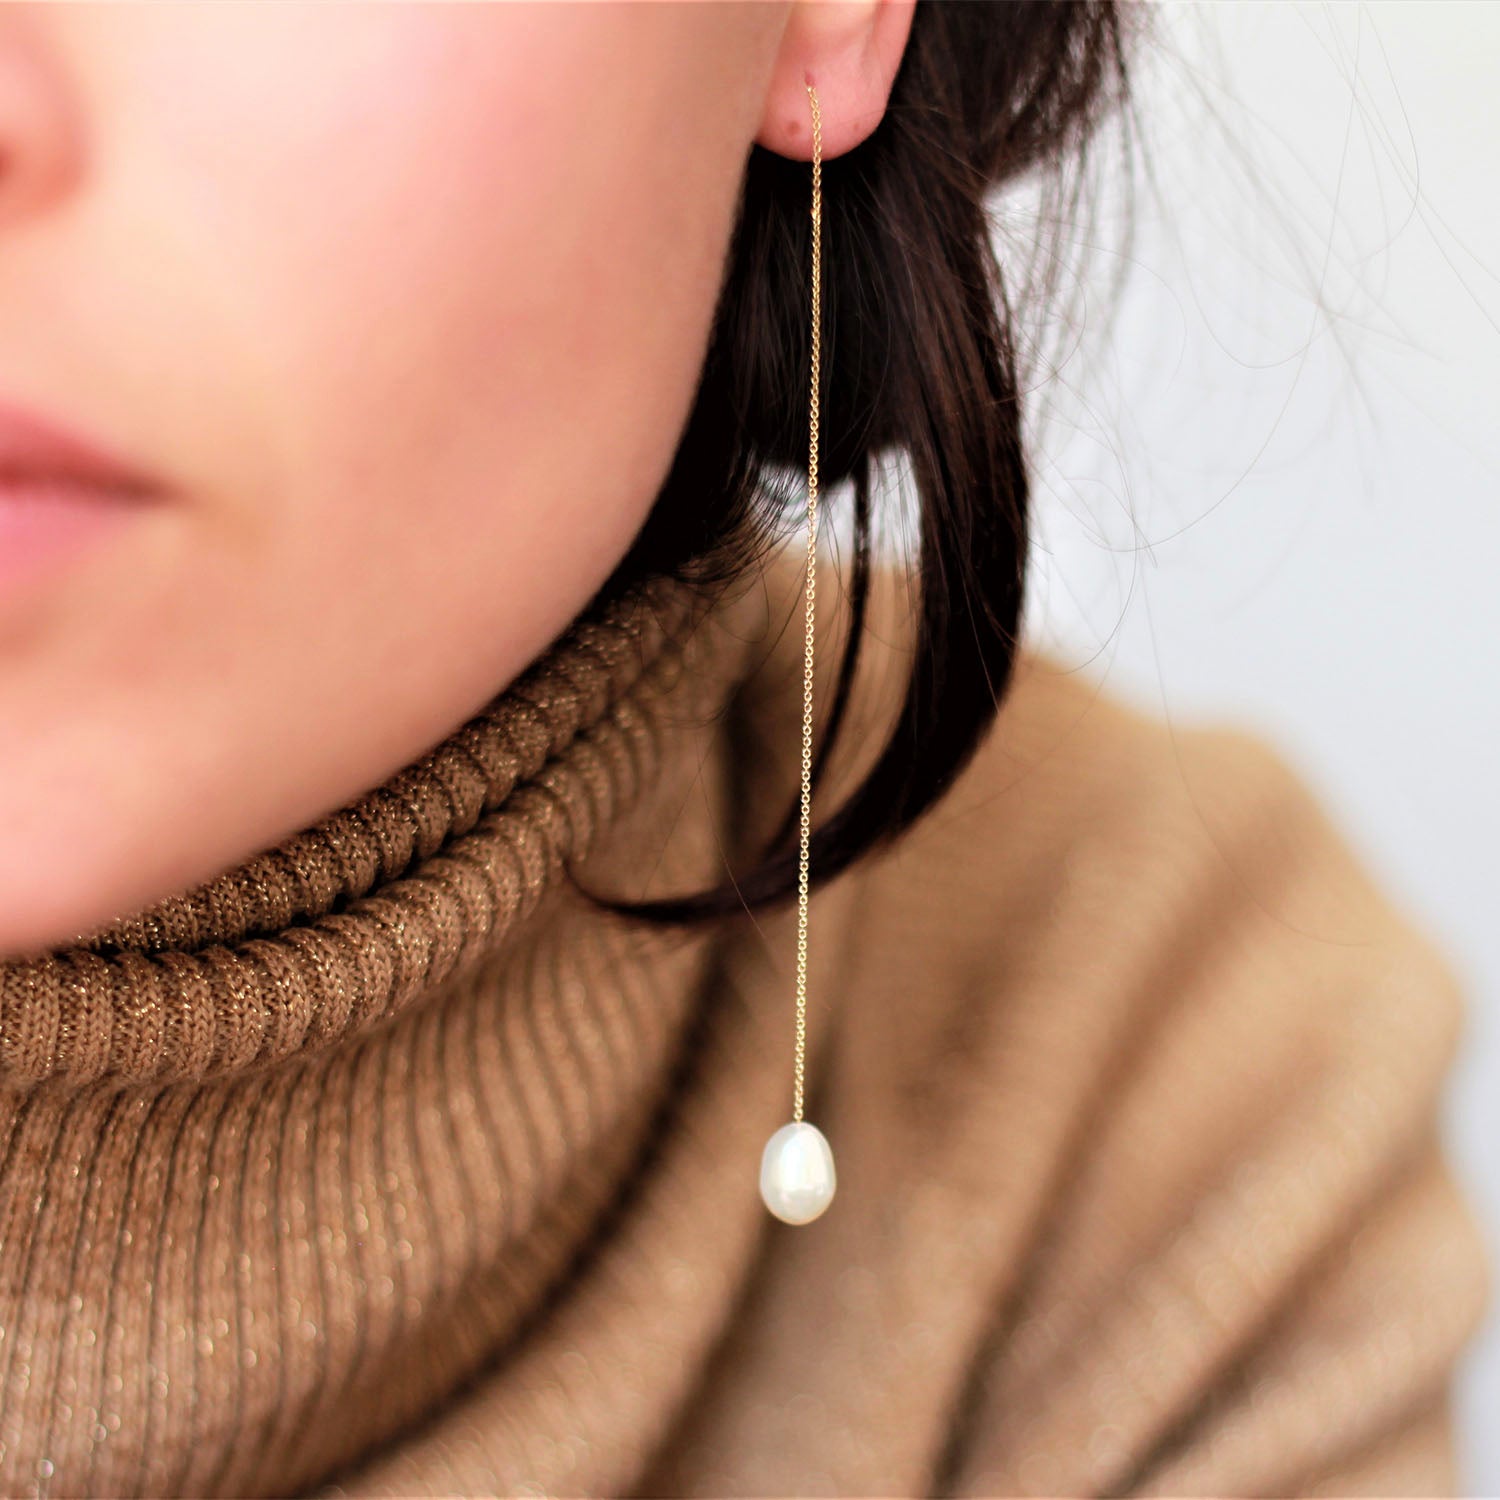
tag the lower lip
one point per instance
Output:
(44, 523)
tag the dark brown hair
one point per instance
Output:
(919, 358)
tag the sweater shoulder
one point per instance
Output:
(1174, 1026)
(1253, 1268)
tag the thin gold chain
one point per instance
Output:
(805, 830)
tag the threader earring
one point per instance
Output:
(796, 1168)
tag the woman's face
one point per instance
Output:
(404, 305)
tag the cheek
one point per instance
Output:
(408, 302)
(474, 268)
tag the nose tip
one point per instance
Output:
(38, 155)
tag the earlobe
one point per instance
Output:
(850, 51)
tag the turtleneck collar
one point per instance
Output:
(379, 1161)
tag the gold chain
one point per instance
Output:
(805, 830)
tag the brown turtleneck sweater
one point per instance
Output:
(384, 1163)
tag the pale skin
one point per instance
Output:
(406, 303)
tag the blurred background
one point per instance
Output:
(1269, 459)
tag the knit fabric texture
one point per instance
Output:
(388, 1162)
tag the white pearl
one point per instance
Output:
(796, 1173)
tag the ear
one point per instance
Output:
(849, 50)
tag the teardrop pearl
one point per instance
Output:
(796, 1173)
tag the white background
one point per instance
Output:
(1269, 488)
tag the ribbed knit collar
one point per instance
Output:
(385, 1162)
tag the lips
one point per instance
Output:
(61, 497)
(36, 452)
